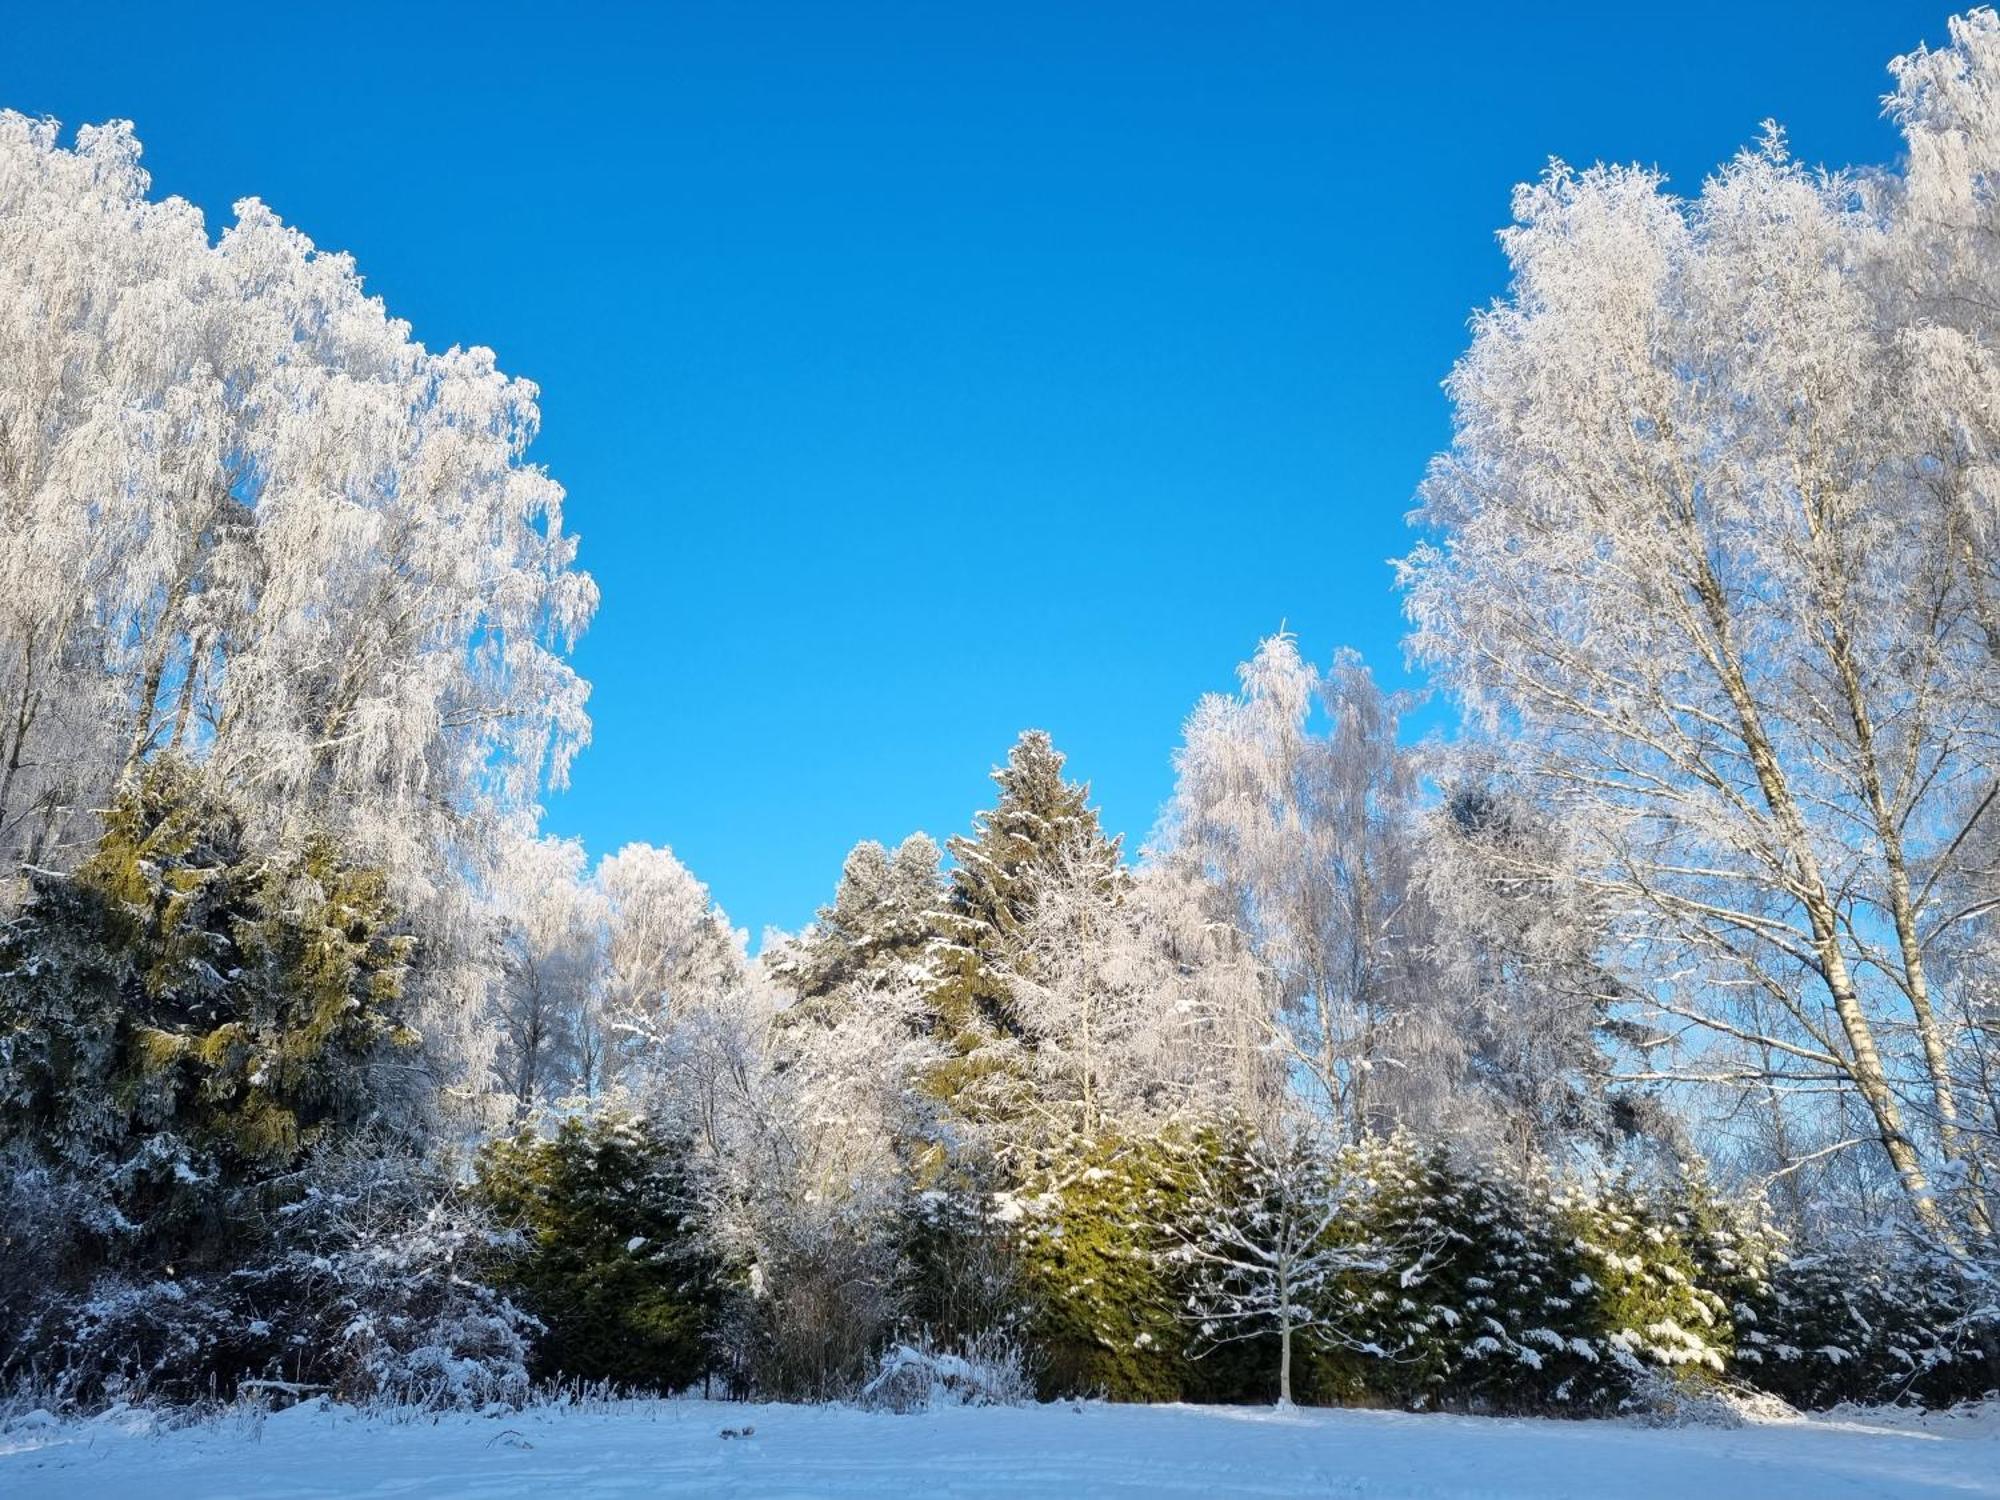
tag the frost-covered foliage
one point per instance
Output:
(251, 518)
(1464, 1283)
(1137, 1006)
(1480, 1298)
(1446, 1076)
(1515, 945)
(1307, 829)
(874, 933)
(372, 1279)
(388, 1273)
(1412, 982)
(548, 1006)
(1041, 830)
(671, 955)
(246, 518)
(600, 972)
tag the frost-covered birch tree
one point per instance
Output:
(1138, 1002)
(1311, 830)
(246, 517)
(252, 519)
(671, 959)
(1691, 576)
(551, 930)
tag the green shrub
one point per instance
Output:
(614, 1261)
(1871, 1320)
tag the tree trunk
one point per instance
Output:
(1284, 1340)
(1864, 1065)
(25, 712)
(1902, 912)
(144, 729)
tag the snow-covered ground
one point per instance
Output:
(676, 1449)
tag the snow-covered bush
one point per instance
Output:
(1876, 1317)
(1644, 1299)
(44, 1211)
(374, 1283)
(387, 1275)
(988, 1371)
(957, 1275)
(209, 1131)
(1661, 1398)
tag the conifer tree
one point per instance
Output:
(618, 1267)
(1041, 827)
(875, 932)
(189, 1014)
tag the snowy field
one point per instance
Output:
(646, 1449)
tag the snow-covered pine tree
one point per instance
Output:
(1040, 822)
(1640, 1281)
(876, 929)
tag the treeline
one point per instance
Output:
(225, 1164)
(1640, 1036)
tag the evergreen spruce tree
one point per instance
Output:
(617, 1265)
(877, 929)
(1104, 1301)
(1476, 1301)
(1040, 823)
(1872, 1317)
(1644, 1282)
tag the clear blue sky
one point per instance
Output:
(924, 372)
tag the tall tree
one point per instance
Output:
(247, 518)
(876, 930)
(671, 957)
(1042, 824)
(1515, 943)
(1312, 831)
(1690, 572)
(549, 999)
